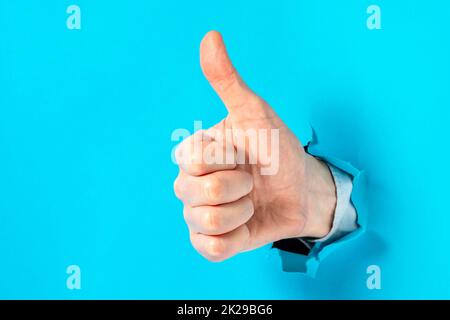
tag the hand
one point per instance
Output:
(232, 207)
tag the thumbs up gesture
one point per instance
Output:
(247, 181)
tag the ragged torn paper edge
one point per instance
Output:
(309, 264)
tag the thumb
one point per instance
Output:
(223, 77)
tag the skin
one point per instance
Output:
(232, 208)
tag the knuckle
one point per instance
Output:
(186, 151)
(213, 189)
(192, 164)
(211, 248)
(211, 221)
(216, 250)
(177, 187)
(224, 79)
(196, 158)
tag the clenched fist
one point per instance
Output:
(248, 200)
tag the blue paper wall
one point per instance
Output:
(86, 118)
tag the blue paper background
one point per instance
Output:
(86, 117)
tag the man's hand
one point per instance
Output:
(231, 207)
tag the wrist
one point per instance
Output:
(320, 200)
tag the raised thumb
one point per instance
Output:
(223, 77)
